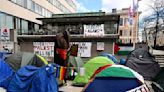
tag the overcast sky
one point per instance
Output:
(108, 5)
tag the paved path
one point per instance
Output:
(70, 88)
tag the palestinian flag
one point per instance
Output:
(124, 49)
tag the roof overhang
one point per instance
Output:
(81, 19)
(80, 38)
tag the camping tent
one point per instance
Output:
(114, 78)
(5, 74)
(34, 79)
(20, 59)
(143, 62)
(110, 56)
(158, 81)
(75, 62)
(90, 67)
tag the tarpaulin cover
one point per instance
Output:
(143, 62)
(5, 73)
(33, 79)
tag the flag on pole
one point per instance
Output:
(135, 7)
(116, 48)
(130, 18)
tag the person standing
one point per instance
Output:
(61, 48)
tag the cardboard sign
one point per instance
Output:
(74, 50)
(95, 30)
(45, 49)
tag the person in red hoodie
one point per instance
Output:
(61, 48)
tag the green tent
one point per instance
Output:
(20, 59)
(75, 62)
(90, 67)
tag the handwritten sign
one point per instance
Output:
(45, 49)
(95, 30)
(84, 48)
(74, 50)
(100, 45)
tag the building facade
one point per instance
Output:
(128, 32)
(94, 32)
(21, 14)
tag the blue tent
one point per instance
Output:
(5, 74)
(114, 78)
(34, 79)
(110, 56)
(3, 54)
(106, 84)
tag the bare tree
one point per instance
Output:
(157, 6)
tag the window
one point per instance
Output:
(14, 1)
(2, 20)
(36, 8)
(9, 22)
(121, 22)
(24, 27)
(120, 32)
(29, 4)
(19, 2)
(36, 26)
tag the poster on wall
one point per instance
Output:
(100, 46)
(94, 30)
(5, 34)
(45, 49)
(84, 48)
(7, 47)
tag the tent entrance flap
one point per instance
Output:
(26, 58)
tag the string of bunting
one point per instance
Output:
(61, 71)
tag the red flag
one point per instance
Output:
(116, 48)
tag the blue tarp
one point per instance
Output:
(34, 79)
(2, 54)
(109, 56)
(5, 74)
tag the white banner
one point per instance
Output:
(84, 48)
(45, 49)
(100, 45)
(95, 30)
(7, 46)
(5, 34)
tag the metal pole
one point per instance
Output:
(15, 41)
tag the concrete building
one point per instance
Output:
(94, 32)
(19, 16)
(127, 33)
(22, 14)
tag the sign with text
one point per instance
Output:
(74, 50)
(45, 49)
(5, 34)
(84, 48)
(100, 45)
(95, 30)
